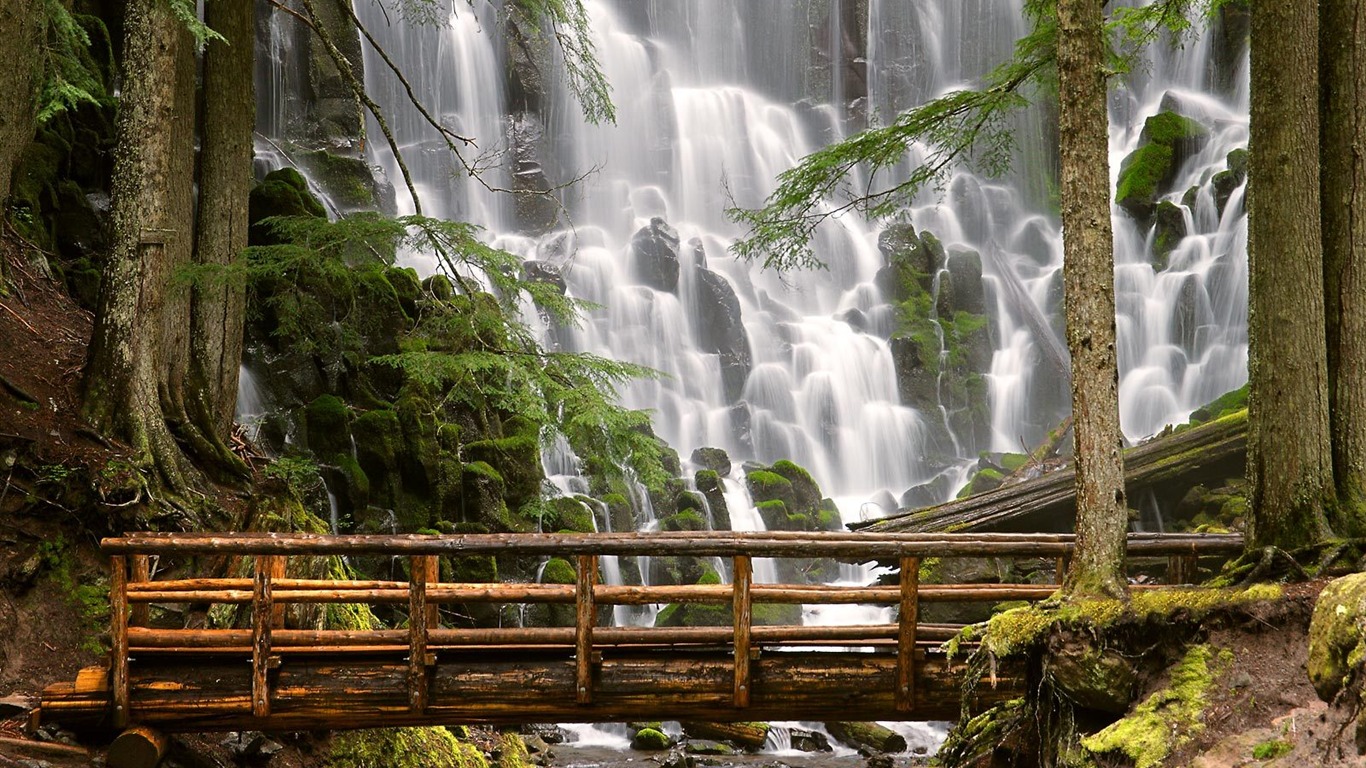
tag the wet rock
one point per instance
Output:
(654, 256)
(678, 759)
(544, 272)
(871, 736)
(1169, 227)
(722, 330)
(546, 732)
(1227, 181)
(809, 741)
(715, 459)
(283, 192)
(926, 494)
(650, 740)
(706, 747)
(968, 295)
(879, 761)
(855, 317)
(1167, 141)
(536, 210)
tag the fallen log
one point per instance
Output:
(1168, 465)
(746, 735)
(877, 738)
(138, 747)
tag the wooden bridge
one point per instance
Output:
(268, 676)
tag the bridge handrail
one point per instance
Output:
(700, 544)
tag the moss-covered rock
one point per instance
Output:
(517, 459)
(1165, 720)
(403, 748)
(714, 459)
(1337, 635)
(986, 479)
(650, 740)
(327, 424)
(283, 192)
(1226, 182)
(1092, 676)
(687, 520)
(348, 181)
(1168, 139)
(566, 513)
(1169, 228)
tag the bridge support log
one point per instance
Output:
(747, 735)
(139, 747)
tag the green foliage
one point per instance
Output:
(969, 126)
(470, 351)
(299, 474)
(68, 74)
(569, 23)
(187, 13)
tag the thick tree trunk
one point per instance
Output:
(218, 302)
(1289, 467)
(1343, 183)
(1088, 279)
(138, 350)
(21, 26)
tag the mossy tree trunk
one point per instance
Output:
(1289, 463)
(1343, 183)
(218, 301)
(139, 349)
(1089, 301)
(21, 29)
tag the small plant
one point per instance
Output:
(53, 474)
(300, 474)
(1271, 749)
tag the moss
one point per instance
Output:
(1165, 720)
(709, 576)
(565, 513)
(348, 180)
(511, 751)
(985, 480)
(327, 422)
(403, 748)
(517, 459)
(767, 486)
(1141, 174)
(1170, 128)
(1223, 405)
(651, 740)
(687, 520)
(1337, 635)
(1271, 749)
(1012, 462)
(773, 513)
(558, 571)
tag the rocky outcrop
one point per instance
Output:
(654, 256)
(721, 330)
(1167, 141)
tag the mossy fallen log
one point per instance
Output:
(1168, 465)
(877, 738)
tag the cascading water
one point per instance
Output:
(714, 99)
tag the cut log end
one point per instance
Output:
(138, 747)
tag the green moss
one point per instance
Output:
(1225, 404)
(559, 571)
(1165, 720)
(1141, 173)
(1271, 749)
(767, 486)
(791, 472)
(985, 480)
(1012, 462)
(403, 748)
(327, 422)
(1337, 635)
(651, 740)
(348, 180)
(518, 461)
(709, 576)
(687, 520)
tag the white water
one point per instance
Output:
(717, 97)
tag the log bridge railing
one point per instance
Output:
(271, 677)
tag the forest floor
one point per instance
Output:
(51, 625)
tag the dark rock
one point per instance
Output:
(968, 295)
(547, 732)
(926, 494)
(809, 741)
(722, 330)
(1226, 182)
(707, 747)
(879, 761)
(714, 459)
(855, 317)
(897, 241)
(654, 256)
(536, 208)
(1169, 227)
(544, 272)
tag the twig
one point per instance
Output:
(20, 319)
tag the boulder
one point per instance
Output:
(651, 740)
(1337, 635)
(654, 256)
(1167, 141)
(1169, 227)
(715, 459)
(721, 330)
(1092, 676)
(968, 295)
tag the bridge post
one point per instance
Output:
(586, 618)
(141, 566)
(419, 568)
(118, 631)
(743, 610)
(262, 621)
(907, 621)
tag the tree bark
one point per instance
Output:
(1089, 300)
(21, 27)
(218, 300)
(139, 348)
(1289, 467)
(1343, 185)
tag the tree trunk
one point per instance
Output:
(218, 301)
(1343, 184)
(139, 348)
(21, 26)
(1089, 300)
(1289, 466)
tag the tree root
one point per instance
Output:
(1272, 564)
(18, 391)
